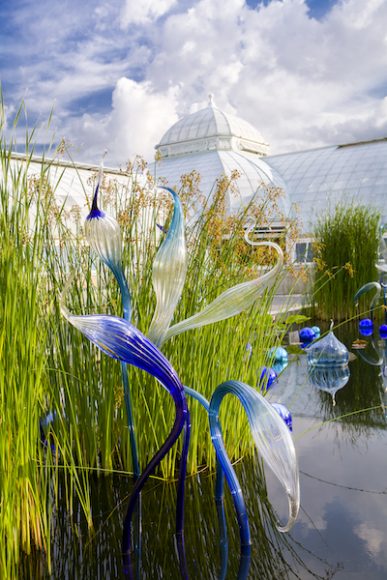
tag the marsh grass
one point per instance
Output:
(24, 482)
(346, 252)
(47, 367)
(90, 383)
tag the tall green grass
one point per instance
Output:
(90, 383)
(24, 481)
(346, 252)
(46, 365)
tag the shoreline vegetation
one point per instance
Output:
(62, 411)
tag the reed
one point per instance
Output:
(346, 252)
(48, 369)
(24, 481)
(90, 383)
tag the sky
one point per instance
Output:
(116, 74)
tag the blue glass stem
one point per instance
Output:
(228, 470)
(181, 420)
(219, 493)
(219, 485)
(384, 287)
(127, 311)
(130, 420)
(223, 538)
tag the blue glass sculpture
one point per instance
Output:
(119, 339)
(285, 415)
(267, 378)
(306, 335)
(317, 331)
(278, 354)
(383, 331)
(328, 351)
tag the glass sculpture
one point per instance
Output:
(121, 340)
(328, 351)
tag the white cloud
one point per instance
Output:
(373, 538)
(144, 11)
(302, 82)
(139, 117)
(298, 80)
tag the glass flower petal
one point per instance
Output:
(121, 340)
(169, 272)
(103, 234)
(231, 302)
(272, 438)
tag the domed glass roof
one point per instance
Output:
(210, 129)
(214, 143)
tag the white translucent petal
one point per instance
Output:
(169, 272)
(232, 301)
(274, 442)
(104, 236)
(271, 436)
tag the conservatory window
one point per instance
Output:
(304, 252)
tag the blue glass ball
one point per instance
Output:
(383, 331)
(306, 335)
(284, 413)
(268, 377)
(279, 354)
(366, 331)
(366, 327)
(317, 331)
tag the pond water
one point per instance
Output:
(341, 531)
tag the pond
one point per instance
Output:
(341, 531)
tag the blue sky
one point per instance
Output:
(118, 73)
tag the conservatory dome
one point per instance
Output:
(210, 129)
(214, 143)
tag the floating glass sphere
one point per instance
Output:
(278, 354)
(284, 413)
(280, 366)
(317, 331)
(366, 330)
(328, 351)
(267, 378)
(306, 335)
(366, 323)
(383, 331)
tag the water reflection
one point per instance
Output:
(342, 521)
(375, 355)
(329, 379)
(211, 534)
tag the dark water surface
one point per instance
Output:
(341, 531)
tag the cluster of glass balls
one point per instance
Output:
(366, 328)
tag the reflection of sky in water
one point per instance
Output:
(344, 521)
(343, 464)
(341, 532)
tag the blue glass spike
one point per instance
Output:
(95, 212)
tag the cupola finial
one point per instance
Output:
(211, 100)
